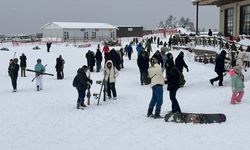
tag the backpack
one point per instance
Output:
(75, 82)
(181, 80)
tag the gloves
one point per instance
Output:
(91, 81)
(187, 70)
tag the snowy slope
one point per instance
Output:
(48, 120)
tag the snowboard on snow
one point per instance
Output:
(198, 118)
(40, 72)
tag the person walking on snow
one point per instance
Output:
(39, 68)
(219, 68)
(81, 83)
(13, 72)
(59, 67)
(157, 82)
(237, 81)
(129, 51)
(111, 73)
(98, 57)
(143, 64)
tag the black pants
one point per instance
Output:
(111, 87)
(219, 77)
(143, 75)
(14, 82)
(59, 74)
(175, 104)
(129, 55)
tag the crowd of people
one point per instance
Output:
(159, 69)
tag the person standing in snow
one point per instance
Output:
(237, 83)
(23, 65)
(240, 59)
(129, 51)
(90, 55)
(105, 50)
(157, 55)
(111, 73)
(157, 82)
(210, 33)
(48, 44)
(13, 72)
(139, 49)
(219, 68)
(81, 83)
(98, 57)
(143, 64)
(173, 83)
(59, 67)
(39, 68)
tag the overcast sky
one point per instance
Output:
(27, 16)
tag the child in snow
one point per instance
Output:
(39, 68)
(237, 79)
(111, 73)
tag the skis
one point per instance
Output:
(40, 72)
(103, 89)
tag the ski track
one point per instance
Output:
(49, 119)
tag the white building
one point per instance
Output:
(76, 31)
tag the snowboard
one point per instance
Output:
(198, 118)
(40, 72)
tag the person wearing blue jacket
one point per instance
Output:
(39, 68)
(139, 49)
(129, 51)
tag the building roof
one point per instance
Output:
(81, 25)
(214, 2)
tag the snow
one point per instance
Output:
(49, 120)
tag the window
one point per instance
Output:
(93, 35)
(245, 20)
(66, 35)
(229, 14)
(130, 29)
(86, 35)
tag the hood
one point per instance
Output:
(223, 53)
(109, 61)
(231, 72)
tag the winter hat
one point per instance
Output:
(84, 67)
(153, 61)
(223, 53)
(39, 60)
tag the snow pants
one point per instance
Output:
(236, 97)
(39, 82)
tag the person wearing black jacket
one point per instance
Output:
(90, 60)
(23, 65)
(115, 58)
(219, 68)
(98, 57)
(59, 67)
(13, 73)
(180, 63)
(81, 83)
(157, 55)
(143, 64)
(173, 82)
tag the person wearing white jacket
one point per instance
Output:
(157, 82)
(111, 73)
(240, 59)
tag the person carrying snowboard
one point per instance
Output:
(111, 73)
(157, 82)
(39, 68)
(81, 83)
(173, 83)
(13, 72)
(237, 82)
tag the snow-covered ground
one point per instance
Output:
(49, 120)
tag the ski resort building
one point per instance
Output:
(129, 31)
(234, 15)
(76, 31)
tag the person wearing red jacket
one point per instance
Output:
(106, 51)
